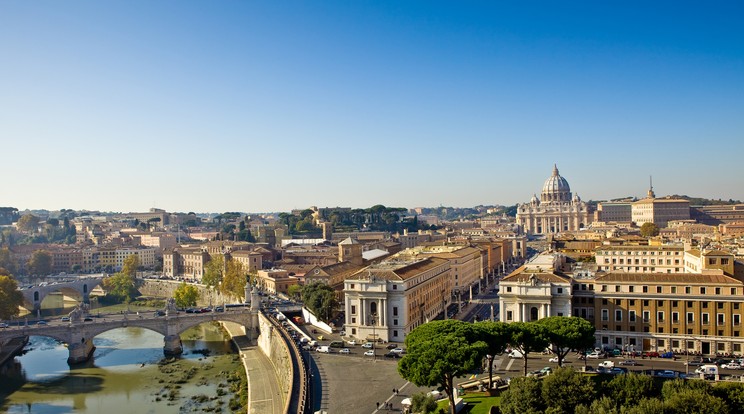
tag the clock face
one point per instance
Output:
(317, 271)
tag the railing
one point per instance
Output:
(298, 401)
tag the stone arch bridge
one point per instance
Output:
(34, 295)
(78, 335)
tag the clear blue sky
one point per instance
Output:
(273, 105)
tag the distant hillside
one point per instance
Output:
(696, 201)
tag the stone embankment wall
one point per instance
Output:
(166, 289)
(271, 343)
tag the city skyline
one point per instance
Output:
(264, 106)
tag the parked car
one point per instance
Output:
(88, 319)
(732, 365)
(41, 323)
(666, 374)
(352, 342)
(367, 345)
(694, 362)
(555, 360)
(65, 319)
(607, 364)
(369, 353)
(397, 350)
(392, 346)
(594, 355)
(515, 354)
(540, 372)
(392, 355)
(344, 351)
(4, 325)
(324, 349)
(628, 362)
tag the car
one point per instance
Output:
(65, 319)
(320, 337)
(666, 374)
(343, 333)
(42, 323)
(88, 319)
(732, 365)
(392, 355)
(694, 362)
(617, 370)
(397, 350)
(344, 351)
(352, 342)
(555, 360)
(4, 325)
(369, 353)
(323, 349)
(219, 309)
(367, 345)
(391, 346)
(594, 355)
(541, 372)
(628, 362)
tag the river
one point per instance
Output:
(127, 374)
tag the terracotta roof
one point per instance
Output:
(674, 278)
(717, 253)
(399, 271)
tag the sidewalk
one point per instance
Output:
(264, 395)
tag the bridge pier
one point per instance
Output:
(80, 350)
(173, 345)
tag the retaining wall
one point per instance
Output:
(273, 346)
(167, 288)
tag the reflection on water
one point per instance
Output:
(124, 375)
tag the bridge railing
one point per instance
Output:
(299, 396)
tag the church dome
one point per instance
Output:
(556, 188)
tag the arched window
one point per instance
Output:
(533, 313)
(36, 296)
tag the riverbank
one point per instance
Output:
(12, 348)
(264, 393)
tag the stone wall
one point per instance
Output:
(166, 289)
(273, 346)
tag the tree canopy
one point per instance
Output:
(567, 333)
(28, 222)
(40, 263)
(496, 335)
(186, 295)
(120, 287)
(233, 282)
(213, 271)
(130, 265)
(649, 230)
(528, 337)
(320, 299)
(10, 297)
(437, 352)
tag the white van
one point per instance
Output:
(515, 354)
(324, 349)
(707, 370)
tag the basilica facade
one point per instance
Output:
(556, 211)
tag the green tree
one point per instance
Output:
(233, 283)
(649, 230)
(528, 337)
(295, 292)
(214, 271)
(6, 260)
(732, 393)
(423, 403)
(320, 299)
(496, 335)
(120, 286)
(524, 396)
(566, 333)
(565, 388)
(440, 351)
(602, 405)
(694, 401)
(186, 295)
(40, 263)
(629, 390)
(646, 406)
(10, 297)
(28, 222)
(130, 265)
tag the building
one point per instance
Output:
(275, 280)
(385, 301)
(659, 211)
(715, 215)
(556, 210)
(185, 262)
(641, 259)
(615, 211)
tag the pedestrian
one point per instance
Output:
(378, 405)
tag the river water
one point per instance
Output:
(127, 374)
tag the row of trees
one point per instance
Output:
(10, 297)
(53, 230)
(438, 352)
(120, 286)
(568, 391)
(318, 297)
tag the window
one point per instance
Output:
(559, 290)
(690, 318)
(705, 305)
(508, 289)
(395, 311)
(689, 303)
(733, 291)
(395, 332)
(353, 320)
(702, 290)
(645, 303)
(395, 322)
(353, 309)
(631, 288)
(674, 289)
(604, 301)
(603, 288)
(660, 316)
(658, 289)
(660, 342)
(659, 303)
(632, 316)
(675, 303)
(645, 289)
(736, 306)
(646, 316)
(720, 305)
(724, 261)
(688, 290)
(605, 314)
(737, 319)
(631, 302)
(675, 317)
(721, 318)
(705, 317)
(617, 302)
(718, 291)
(508, 315)
(618, 315)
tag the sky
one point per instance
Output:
(261, 106)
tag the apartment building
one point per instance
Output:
(387, 300)
(640, 259)
(185, 262)
(659, 211)
(275, 280)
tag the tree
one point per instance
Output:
(213, 271)
(295, 292)
(524, 396)
(440, 351)
(566, 333)
(423, 403)
(120, 286)
(40, 262)
(628, 390)
(10, 297)
(694, 401)
(130, 265)
(496, 336)
(233, 282)
(28, 222)
(186, 295)
(320, 299)
(527, 337)
(649, 230)
(732, 393)
(565, 388)
(6, 260)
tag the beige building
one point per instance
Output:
(641, 259)
(387, 300)
(159, 241)
(556, 211)
(251, 261)
(659, 211)
(185, 262)
(275, 280)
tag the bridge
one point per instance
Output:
(35, 294)
(78, 335)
